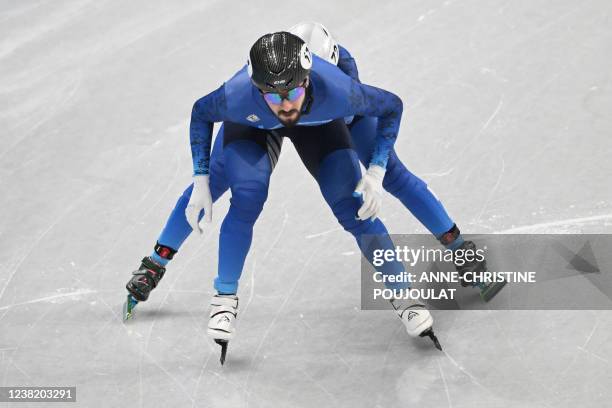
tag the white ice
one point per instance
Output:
(507, 116)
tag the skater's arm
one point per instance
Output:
(206, 111)
(347, 64)
(367, 100)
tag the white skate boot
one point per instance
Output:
(221, 326)
(417, 319)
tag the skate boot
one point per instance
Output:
(487, 290)
(417, 320)
(145, 279)
(449, 240)
(221, 326)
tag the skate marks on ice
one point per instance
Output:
(569, 225)
(551, 353)
(146, 343)
(278, 311)
(28, 250)
(485, 371)
(58, 298)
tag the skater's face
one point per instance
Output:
(287, 105)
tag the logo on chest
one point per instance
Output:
(253, 118)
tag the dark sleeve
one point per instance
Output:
(206, 111)
(347, 64)
(367, 100)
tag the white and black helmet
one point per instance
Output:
(319, 40)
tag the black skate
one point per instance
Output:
(487, 291)
(145, 279)
(430, 333)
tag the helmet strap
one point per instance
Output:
(308, 99)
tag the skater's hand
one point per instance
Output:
(370, 188)
(201, 199)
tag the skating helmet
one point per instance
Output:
(279, 62)
(319, 40)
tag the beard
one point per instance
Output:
(289, 118)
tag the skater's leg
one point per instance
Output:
(418, 199)
(401, 183)
(338, 175)
(152, 268)
(337, 185)
(250, 155)
(335, 166)
(326, 152)
(248, 169)
(177, 229)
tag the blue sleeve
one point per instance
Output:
(206, 111)
(347, 64)
(367, 100)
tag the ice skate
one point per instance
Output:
(143, 281)
(487, 291)
(221, 326)
(417, 320)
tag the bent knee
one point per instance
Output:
(345, 211)
(248, 200)
(401, 180)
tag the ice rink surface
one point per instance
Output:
(506, 115)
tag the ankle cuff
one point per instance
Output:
(449, 236)
(164, 252)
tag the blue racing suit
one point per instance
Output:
(333, 95)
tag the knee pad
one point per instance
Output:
(398, 179)
(345, 211)
(248, 170)
(248, 199)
